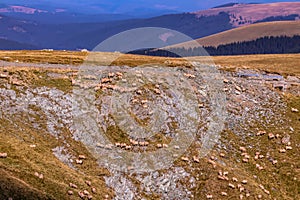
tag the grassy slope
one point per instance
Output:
(17, 171)
(248, 33)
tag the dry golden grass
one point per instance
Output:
(286, 64)
(51, 57)
(17, 171)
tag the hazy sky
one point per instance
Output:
(122, 6)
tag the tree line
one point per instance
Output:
(264, 45)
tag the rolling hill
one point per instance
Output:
(248, 33)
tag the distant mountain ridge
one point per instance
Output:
(245, 14)
(88, 34)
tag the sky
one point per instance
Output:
(123, 6)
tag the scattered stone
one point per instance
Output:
(286, 139)
(3, 155)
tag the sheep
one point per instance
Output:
(89, 183)
(111, 75)
(271, 136)
(72, 185)
(186, 159)
(70, 192)
(295, 110)
(209, 196)
(244, 181)
(40, 176)
(81, 195)
(196, 159)
(288, 148)
(123, 145)
(234, 179)
(242, 189)
(212, 162)
(223, 193)
(189, 75)
(157, 91)
(128, 147)
(261, 133)
(282, 150)
(133, 142)
(81, 157)
(243, 149)
(3, 155)
(94, 190)
(85, 192)
(79, 161)
(231, 185)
